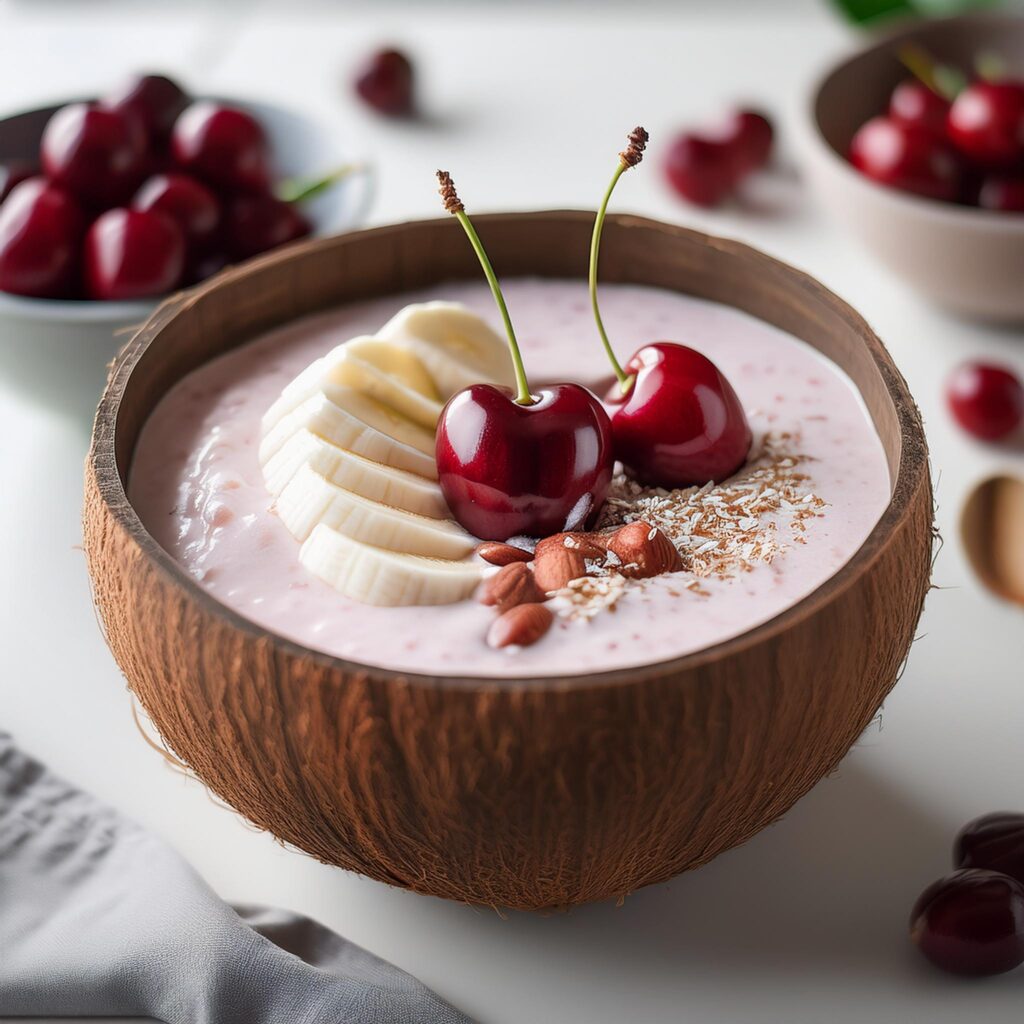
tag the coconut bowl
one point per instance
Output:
(526, 794)
(962, 258)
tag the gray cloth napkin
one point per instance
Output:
(98, 916)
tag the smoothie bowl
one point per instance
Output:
(660, 719)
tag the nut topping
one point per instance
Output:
(644, 551)
(510, 586)
(497, 553)
(556, 564)
(522, 626)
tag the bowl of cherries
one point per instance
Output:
(916, 144)
(108, 205)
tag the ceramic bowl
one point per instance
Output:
(520, 793)
(967, 260)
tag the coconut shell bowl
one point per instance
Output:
(524, 794)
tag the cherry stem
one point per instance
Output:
(522, 384)
(296, 190)
(625, 380)
(943, 80)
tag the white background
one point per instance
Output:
(806, 923)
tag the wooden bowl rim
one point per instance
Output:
(913, 465)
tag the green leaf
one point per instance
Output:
(862, 11)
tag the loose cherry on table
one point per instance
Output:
(133, 254)
(676, 420)
(41, 230)
(986, 123)
(155, 101)
(385, 82)
(906, 157)
(223, 146)
(96, 154)
(524, 463)
(986, 400)
(189, 203)
(994, 842)
(971, 922)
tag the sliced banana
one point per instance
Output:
(310, 499)
(362, 476)
(456, 346)
(376, 576)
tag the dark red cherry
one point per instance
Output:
(913, 103)
(200, 266)
(190, 204)
(986, 123)
(223, 146)
(681, 423)
(133, 254)
(986, 400)
(1003, 194)
(40, 236)
(701, 170)
(510, 470)
(153, 100)
(994, 842)
(971, 922)
(254, 224)
(750, 136)
(905, 157)
(97, 155)
(14, 172)
(385, 82)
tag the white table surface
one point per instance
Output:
(805, 923)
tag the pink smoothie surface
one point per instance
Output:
(197, 486)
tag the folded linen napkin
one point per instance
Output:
(99, 917)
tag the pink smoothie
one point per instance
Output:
(197, 485)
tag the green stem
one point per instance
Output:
(296, 190)
(625, 381)
(523, 397)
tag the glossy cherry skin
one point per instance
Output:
(14, 172)
(994, 842)
(750, 135)
(986, 400)
(509, 470)
(96, 154)
(153, 100)
(905, 157)
(254, 224)
(189, 203)
(385, 82)
(986, 123)
(701, 170)
(1003, 194)
(913, 103)
(223, 146)
(971, 922)
(681, 423)
(133, 254)
(40, 236)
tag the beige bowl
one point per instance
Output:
(967, 260)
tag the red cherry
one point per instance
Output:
(40, 235)
(14, 172)
(681, 422)
(223, 146)
(192, 206)
(133, 254)
(905, 157)
(971, 922)
(385, 82)
(254, 224)
(987, 401)
(750, 135)
(986, 123)
(203, 265)
(994, 842)
(510, 470)
(701, 170)
(1006, 195)
(98, 155)
(155, 101)
(913, 103)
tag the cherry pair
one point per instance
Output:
(537, 464)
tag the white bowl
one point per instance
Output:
(57, 350)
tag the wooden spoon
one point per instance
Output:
(992, 527)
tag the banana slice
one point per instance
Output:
(350, 420)
(456, 346)
(362, 476)
(375, 576)
(310, 499)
